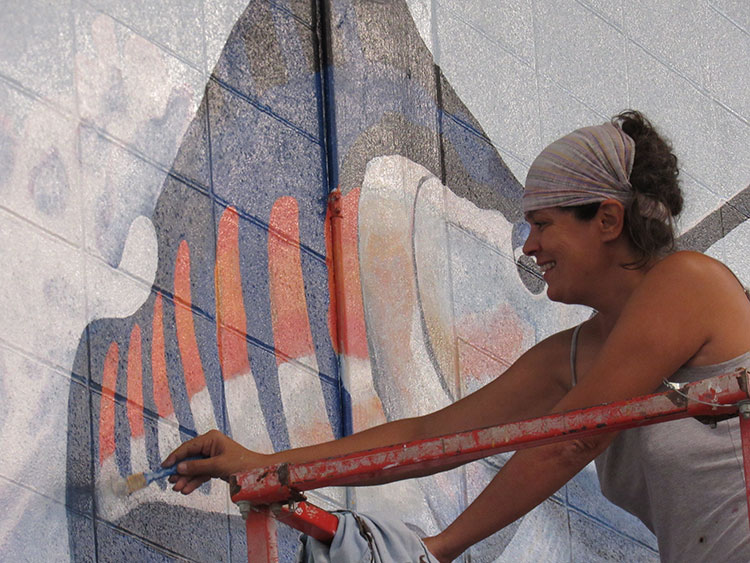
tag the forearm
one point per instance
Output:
(222, 457)
(387, 434)
(529, 477)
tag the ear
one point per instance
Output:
(610, 219)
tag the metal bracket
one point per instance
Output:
(245, 507)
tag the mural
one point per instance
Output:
(240, 330)
(209, 233)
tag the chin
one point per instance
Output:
(558, 296)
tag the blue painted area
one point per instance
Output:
(256, 159)
(175, 374)
(115, 545)
(268, 59)
(186, 214)
(192, 163)
(315, 275)
(520, 234)
(156, 136)
(153, 455)
(254, 267)
(122, 424)
(82, 537)
(205, 332)
(478, 157)
(80, 482)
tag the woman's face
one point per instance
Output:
(567, 250)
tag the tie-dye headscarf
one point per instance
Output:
(587, 166)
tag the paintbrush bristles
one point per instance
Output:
(128, 485)
(136, 482)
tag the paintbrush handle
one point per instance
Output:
(163, 472)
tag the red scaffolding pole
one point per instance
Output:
(276, 492)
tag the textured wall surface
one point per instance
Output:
(164, 174)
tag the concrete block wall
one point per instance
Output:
(164, 173)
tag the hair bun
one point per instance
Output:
(658, 197)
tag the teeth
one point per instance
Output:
(547, 266)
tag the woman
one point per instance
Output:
(600, 203)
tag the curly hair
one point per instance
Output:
(654, 177)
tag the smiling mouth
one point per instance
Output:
(546, 267)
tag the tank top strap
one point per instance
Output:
(573, 352)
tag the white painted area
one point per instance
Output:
(439, 261)
(139, 256)
(304, 405)
(538, 538)
(367, 409)
(30, 439)
(203, 412)
(245, 415)
(119, 292)
(410, 385)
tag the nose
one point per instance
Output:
(531, 246)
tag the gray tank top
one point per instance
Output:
(683, 479)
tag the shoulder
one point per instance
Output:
(687, 260)
(687, 281)
(691, 271)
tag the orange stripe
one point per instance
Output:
(192, 366)
(230, 308)
(107, 404)
(291, 326)
(344, 249)
(356, 340)
(135, 383)
(162, 398)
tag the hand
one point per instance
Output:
(223, 457)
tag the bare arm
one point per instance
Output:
(528, 388)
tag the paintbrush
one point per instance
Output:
(137, 481)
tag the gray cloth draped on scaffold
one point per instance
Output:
(366, 539)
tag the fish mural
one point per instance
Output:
(330, 240)
(240, 331)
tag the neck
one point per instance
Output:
(618, 285)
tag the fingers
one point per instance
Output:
(209, 455)
(199, 446)
(187, 484)
(211, 467)
(187, 449)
